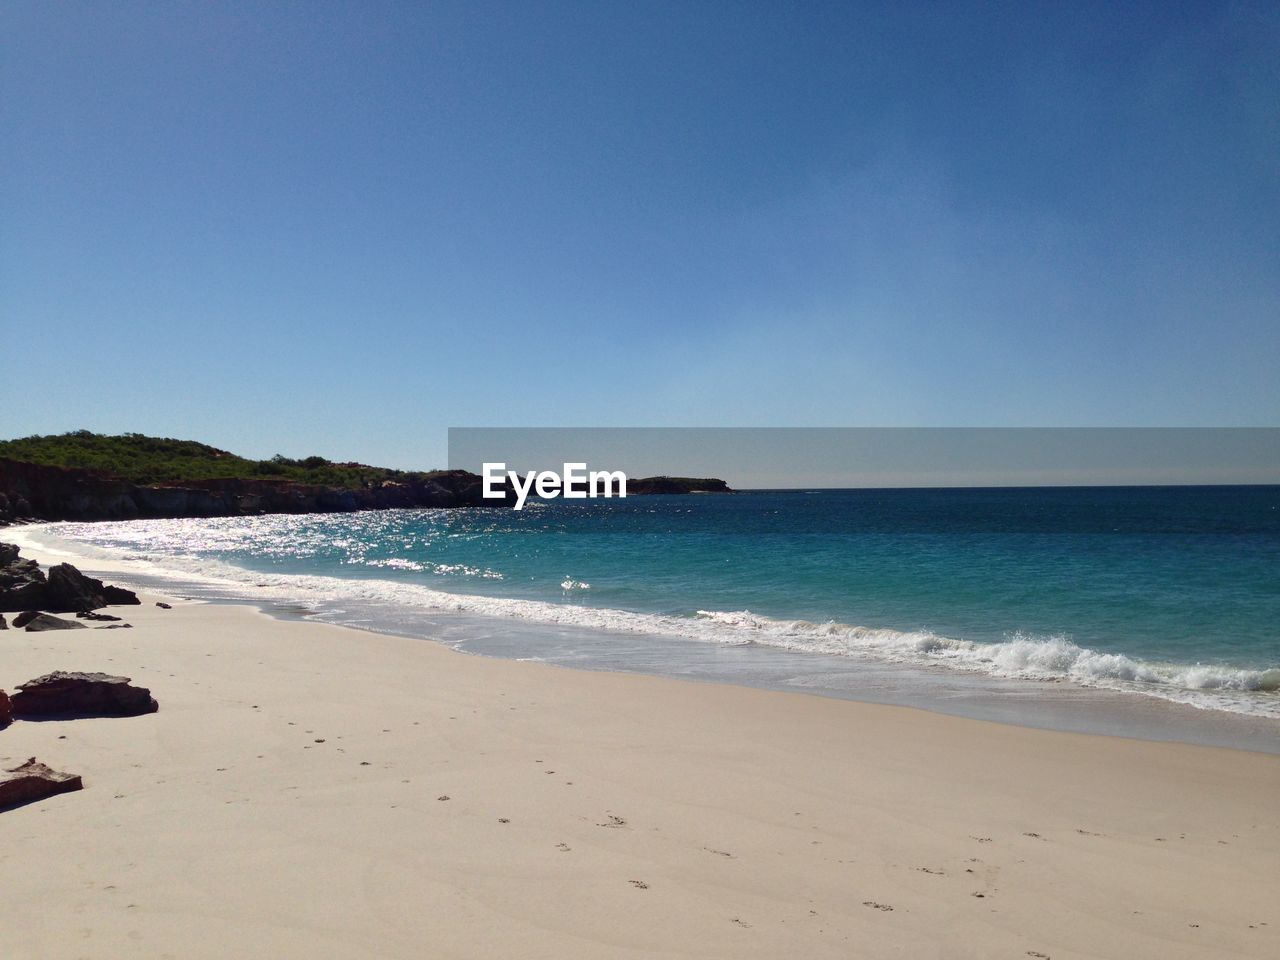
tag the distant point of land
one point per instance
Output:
(83, 475)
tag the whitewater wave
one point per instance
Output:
(440, 569)
(1019, 656)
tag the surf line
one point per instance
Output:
(575, 482)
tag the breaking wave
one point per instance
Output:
(1018, 656)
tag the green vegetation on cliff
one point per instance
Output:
(162, 460)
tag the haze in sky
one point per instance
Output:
(340, 229)
(830, 457)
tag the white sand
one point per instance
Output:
(594, 815)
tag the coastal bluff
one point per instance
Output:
(85, 476)
(30, 491)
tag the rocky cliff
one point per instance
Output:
(30, 491)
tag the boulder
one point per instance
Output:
(70, 590)
(19, 569)
(90, 615)
(63, 694)
(119, 596)
(24, 596)
(44, 621)
(34, 781)
(163, 606)
(6, 710)
(4, 624)
(25, 617)
(24, 586)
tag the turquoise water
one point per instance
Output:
(1171, 591)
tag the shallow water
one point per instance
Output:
(1171, 592)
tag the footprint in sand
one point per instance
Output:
(614, 823)
(877, 906)
(639, 884)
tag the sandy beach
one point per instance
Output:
(314, 791)
(640, 481)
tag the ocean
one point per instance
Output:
(1020, 600)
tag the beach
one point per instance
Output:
(659, 481)
(313, 790)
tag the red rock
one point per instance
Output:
(62, 694)
(34, 781)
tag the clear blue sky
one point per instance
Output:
(342, 228)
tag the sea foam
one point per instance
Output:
(1018, 656)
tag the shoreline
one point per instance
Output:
(1057, 705)
(640, 777)
(312, 790)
